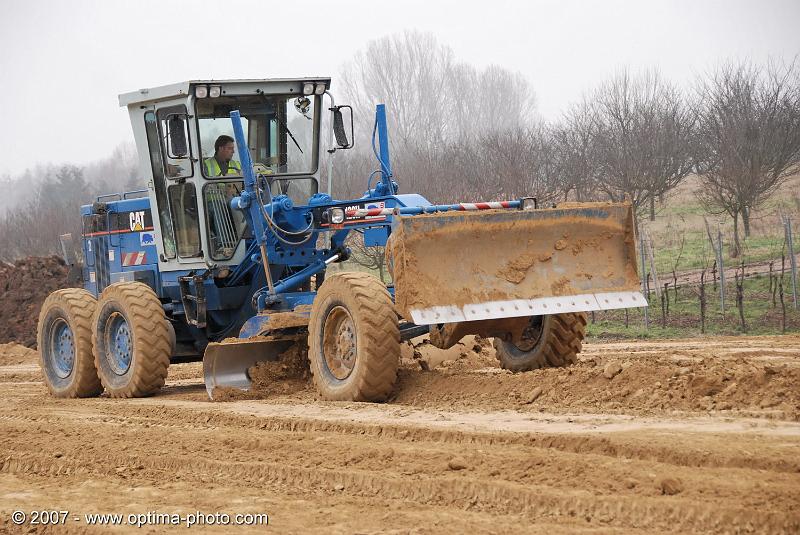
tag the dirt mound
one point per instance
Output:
(467, 375)
(13, 354)
(24, 287)
(288, 375)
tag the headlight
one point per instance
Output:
(308, 88)
(336, 215)
(214, 91)
(201, 91)
(320, 89)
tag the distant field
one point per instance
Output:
(679, 235)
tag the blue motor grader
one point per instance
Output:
(235, 267)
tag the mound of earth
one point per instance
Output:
(24, 286)
(668, 379)
(14, 354)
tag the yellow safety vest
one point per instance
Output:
(213, 169)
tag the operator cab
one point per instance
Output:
(190, 186)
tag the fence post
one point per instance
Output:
(644, 277)
(787, 225)
(703, 301)
(721, 265)
(652, 256)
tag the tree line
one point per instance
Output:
(45, 201)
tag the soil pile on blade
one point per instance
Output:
(463, 258)
(24, 286)
(287, 375)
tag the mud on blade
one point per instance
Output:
(464, 266)
(226, 364)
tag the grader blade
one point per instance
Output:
(227, 363)
(467, 266)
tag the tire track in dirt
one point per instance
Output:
(573, 438)
(461, 441)
(383, 468)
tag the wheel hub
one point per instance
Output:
(531, 335)
(62, 349)
(339, 343)
(119, 344)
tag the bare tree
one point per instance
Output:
(445, 118)
(432, 98)
(368, 257)
(575, 151)
(643, 137)
(748, 139)
(409, 73)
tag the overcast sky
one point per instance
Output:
(63, 63)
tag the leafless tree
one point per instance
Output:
(444, 118)
(748, 137)
(575, 151)
(431, 98)
(368, 257)
(643, 137)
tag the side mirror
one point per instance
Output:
(176, 130)
(339, 130)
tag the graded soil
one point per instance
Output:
(677, 436)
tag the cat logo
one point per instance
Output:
(137, 221)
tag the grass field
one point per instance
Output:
(680, 239)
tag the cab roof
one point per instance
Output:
(233, 86)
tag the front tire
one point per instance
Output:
(354, 339)
(132, 340)
(548, 341)
(64, 339)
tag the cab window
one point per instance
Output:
(280, 131)
(176, 147)
(183, 204)
(159, 184)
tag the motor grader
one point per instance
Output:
(234, 269)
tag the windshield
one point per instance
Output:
(280, 132)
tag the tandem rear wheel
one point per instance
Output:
(132, 340)
(64, 338)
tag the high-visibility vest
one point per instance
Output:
(213, 169)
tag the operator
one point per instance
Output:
(222, 164)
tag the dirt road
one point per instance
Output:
(685, 436)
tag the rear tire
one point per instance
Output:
(64, 339)
(354, 339)
(132, 340)
(550, 341)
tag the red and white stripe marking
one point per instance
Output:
(483, 205)
(464, 206)
(369, 212)
(133, 259)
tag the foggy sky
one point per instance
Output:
(62, 64)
